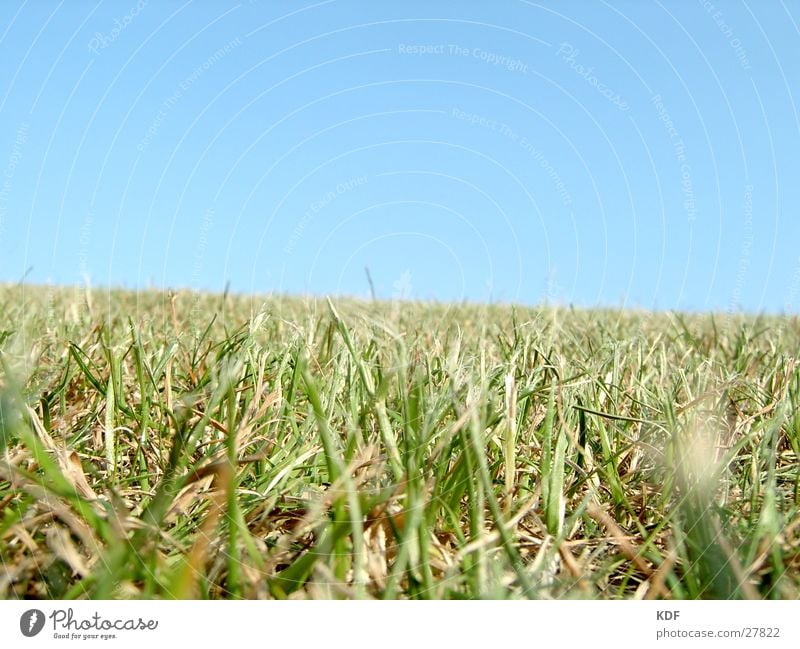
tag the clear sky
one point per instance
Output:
(629, 153)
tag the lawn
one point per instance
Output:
(159, 445)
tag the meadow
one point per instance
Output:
(160, 445)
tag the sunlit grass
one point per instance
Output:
(227, 447)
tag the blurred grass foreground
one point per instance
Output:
(202, 446)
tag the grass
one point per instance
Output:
(201, 446)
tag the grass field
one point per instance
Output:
(174, 446)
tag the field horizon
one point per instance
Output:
(366, 298)
(160, 444)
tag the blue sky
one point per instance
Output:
(642, 154)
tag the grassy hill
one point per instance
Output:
(208, 446)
